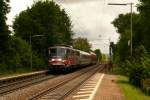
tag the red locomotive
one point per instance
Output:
(65, 57)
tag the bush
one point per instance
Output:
(136, 74)
(140, 66)
(18, 57)
(136, 67)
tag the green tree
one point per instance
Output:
(98, 54)
(4, 32)
(122, 23)
(144, 9)
(137, 66)
(47, 19)
(104, 57)
(82, 44)
(18, 57)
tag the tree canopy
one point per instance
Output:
(4, 32)
(144, 9)
(98, 54)
(44, 18)
(137, 65)
(122, 23)
(82, 44)
(35, 29)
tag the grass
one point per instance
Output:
(131, 92)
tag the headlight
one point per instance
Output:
(52, 59)
(59, 59)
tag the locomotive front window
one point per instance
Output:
(53, 52)
(61, 52)
(57, 52)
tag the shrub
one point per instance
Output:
(140, 66)
(18, 57)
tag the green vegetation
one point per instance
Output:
(18, 58)
(82, 44)
(137, 65)
(46, 19)
(131, 92)
(4, 32)
(35, 29)
(98, 54)
(104, 57)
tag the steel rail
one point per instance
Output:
(13, 84)
(82, 82)
(64, 82)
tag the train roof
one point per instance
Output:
(68, 47)
(83, 52)
(61, 45)
(92, 53)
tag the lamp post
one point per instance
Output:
(31, 48)
(131, 27)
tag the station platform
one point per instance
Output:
(99, 87)
(109, 89)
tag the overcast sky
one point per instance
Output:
(90, 18)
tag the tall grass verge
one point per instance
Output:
(131, 92)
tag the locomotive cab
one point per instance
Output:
(57, 57)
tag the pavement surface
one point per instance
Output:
(109, 89)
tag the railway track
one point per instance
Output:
(10, 84)
(62, 89)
